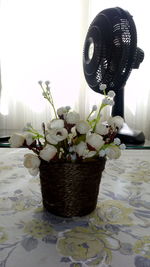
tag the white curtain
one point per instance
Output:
(43, 40)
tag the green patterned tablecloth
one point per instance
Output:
(116, 234)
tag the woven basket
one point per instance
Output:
(70, 189)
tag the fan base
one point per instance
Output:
(129, 136)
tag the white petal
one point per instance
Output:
(72, 117)
(31, 161)
(95, 140)
(82, 127)
(34, 171)
(16, 140)
(57, 124)
(103, 87)
(48, 152)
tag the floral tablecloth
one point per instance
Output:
(116, 234)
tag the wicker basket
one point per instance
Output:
(70, 189)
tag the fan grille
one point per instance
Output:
(113, 34)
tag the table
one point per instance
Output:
(116, 234)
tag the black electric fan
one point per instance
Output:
(110, 54)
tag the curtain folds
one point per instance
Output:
(43, 40)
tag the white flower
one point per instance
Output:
(72, 149)
(94, 108)
(95, 140)
(57, 124)
(113, 152)
(108, 101)
(89, 154)
(33, 171)
(16, 140)
(72, 117)
(80, 148)
(116, 122)
(117, 141)
(103, 87)
(67, 108)
(27, 127)
(31, 161)
(29, 138)
(101, 129)
(105, 101)
(56, 135)
(50, 137)
(111, 102)
(47, 82)
(111, 93)
(82, 127)
(102, 153)
(40, 82)
(73, 157)
(61, 111)
(48, 152)
(122, 146)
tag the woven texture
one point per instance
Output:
(70, 189)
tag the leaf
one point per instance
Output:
(79, 139)
(29, 243)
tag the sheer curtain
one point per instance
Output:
(43, 40)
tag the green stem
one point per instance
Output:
(89, 115)
(98, 115)
(54, 110)
(48, 96)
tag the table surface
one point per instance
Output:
(116, 234)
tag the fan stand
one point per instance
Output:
(127, 135)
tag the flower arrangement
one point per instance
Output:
(68, 138)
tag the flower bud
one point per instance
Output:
(103, 87)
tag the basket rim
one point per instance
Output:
(87, 161)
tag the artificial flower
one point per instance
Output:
(95, 141)
(82, 127)
(111, 93)
(89, 154)
(122, 146)
(31, 161)
(117, 141)
(56, 124)
(29, 137)
(102, 153)
(116, 122)
(72, 117)
(33, 171)
(61, 111)
(80, 148)
(56, 135)
(103, 87)
(16, 140)
(113, 152)
(94, 108)
(48, 152)
(101, 129)
(67, 138)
